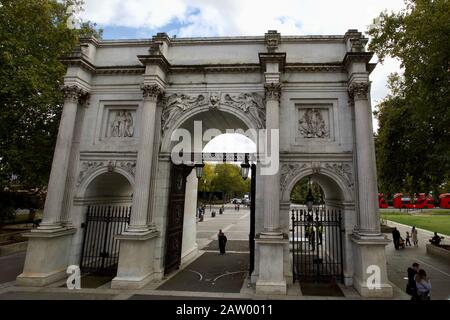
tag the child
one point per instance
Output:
(408, 242)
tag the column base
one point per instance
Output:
(135, 268)
(271, 264)
(271, 288)
(370, 276)
(47, 257)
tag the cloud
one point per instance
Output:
(202, 18)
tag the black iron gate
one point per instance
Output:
(174, 229)
(316, 245)
(100, 253)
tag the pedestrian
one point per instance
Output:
(238, 206)
(222, 242)
(223, 209)
(320, 232)
(436, 240)
(423, 285)
(414, 236)
(220, 210)
(411, 288)
(408, 242)
(396, 238)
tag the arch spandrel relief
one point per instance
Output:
(177, 104)
(89, 167)
(342, 171)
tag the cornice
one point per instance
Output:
(314, 67)
(216, 68)
(157, 59)
(280, 57)
(357, 57)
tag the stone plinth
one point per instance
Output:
(271, 276)
(47, 257)
(369, 255)
(135, 268)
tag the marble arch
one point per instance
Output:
(123, 98)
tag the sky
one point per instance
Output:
(135, 19)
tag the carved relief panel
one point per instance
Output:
(118, 123)
(314, 123)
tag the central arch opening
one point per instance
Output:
(316, 233)
(219, 200)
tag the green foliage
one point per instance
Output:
(434, 223)
(300, 191)
(33, 37)
(413, 141)
(224, 177)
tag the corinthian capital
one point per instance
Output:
(74, 93)
(358, 90)
(151, 91)
(272, 91)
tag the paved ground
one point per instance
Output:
(236, 227)
(211, 272)
(399, 260)
(11, 266)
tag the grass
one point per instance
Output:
(434, 220)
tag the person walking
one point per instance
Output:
(408, 242)
(423, 285)
(414, 236)
(396, 238)
(411, 288)
(222, 242)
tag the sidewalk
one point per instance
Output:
(398, 261)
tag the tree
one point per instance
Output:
(300, 191)
(413, 141)
(34, 36)
(227, 178)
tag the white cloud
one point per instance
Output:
(190, 18)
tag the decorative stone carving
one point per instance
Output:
(88, 167)
(288, 172)
(151, 91)
(176, 104)
(344, 170)
(250, 103)
(272, 40)
(272, 91)
(129, 166)
(75, 94)
(122, 124)
(358, 90)
(214, 99)
(312, 124)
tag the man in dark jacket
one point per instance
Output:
(396, 238)
(411, 288)
(222, 241)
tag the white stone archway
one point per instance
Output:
(221, 117)
(338, 186)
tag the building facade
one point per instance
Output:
(128, 104)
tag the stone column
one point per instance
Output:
(271, 189)
(369, 222)
(55, 193)
(138, 219)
